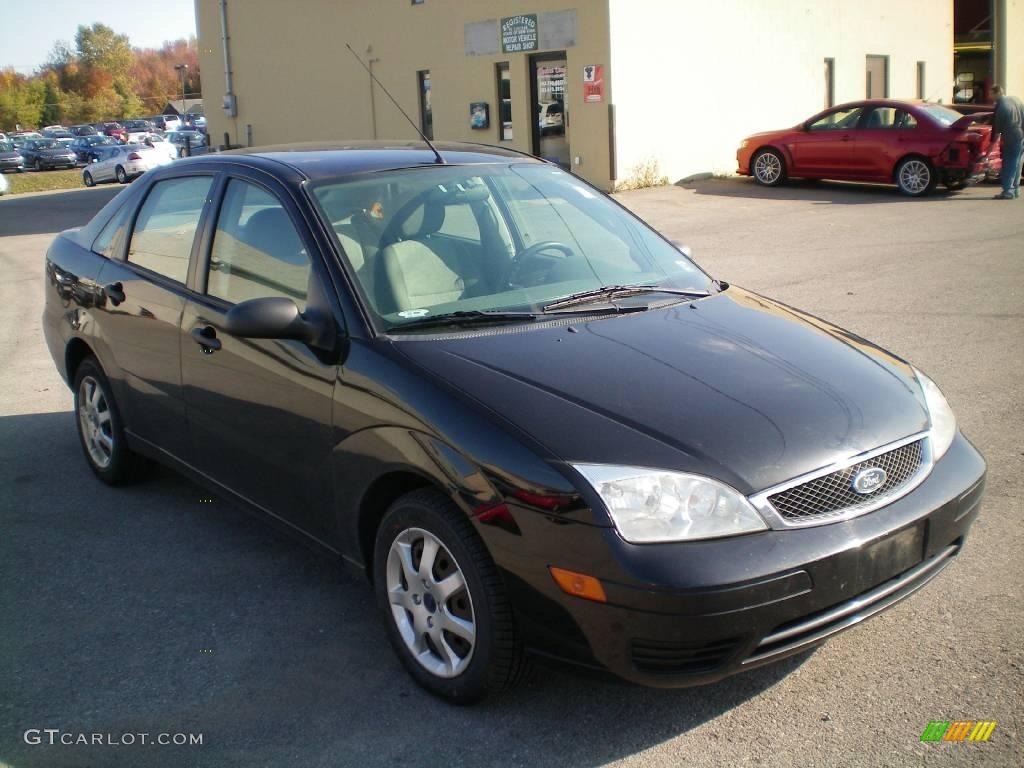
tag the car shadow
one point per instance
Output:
(158, 608)
(818, 192)
(38, 214)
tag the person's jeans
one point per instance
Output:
(1009, 177)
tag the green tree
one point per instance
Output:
(100, 47)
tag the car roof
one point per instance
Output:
(326, 160)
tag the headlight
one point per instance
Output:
(648, 505)
(744, 144)
(941, 415)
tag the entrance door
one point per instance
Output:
(550, 117)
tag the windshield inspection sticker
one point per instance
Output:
(414, 312)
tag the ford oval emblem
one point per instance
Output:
(868, 480)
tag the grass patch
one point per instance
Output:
(44, 181)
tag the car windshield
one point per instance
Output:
(941, 114)
(430, 241)
(100, 141)
(6, 146)
(45, 144)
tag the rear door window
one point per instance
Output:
(166, 226)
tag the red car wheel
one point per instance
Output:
(769, 168)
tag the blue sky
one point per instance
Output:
(29, 28)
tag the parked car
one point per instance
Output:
(43, 154)
(10, 157)
(532, 421)
(195, 140)
(60, 134)
(122, 163)
(194, 122)
(84, 146)
(83, 130)
(115, 131)
(161, 144)
(168, 123)
(20, 138)
(982, 114)
(915, 145)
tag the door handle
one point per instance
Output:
(114, 292)
(206, 337)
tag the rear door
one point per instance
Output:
(259, 410)
(145, 286)
(826, 147)
(883, 137)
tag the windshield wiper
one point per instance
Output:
(464, 317)
(616, 291)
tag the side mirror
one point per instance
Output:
(270, 318)
(683, 249)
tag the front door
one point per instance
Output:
(259, 410)
(550, 114)
(826, 146)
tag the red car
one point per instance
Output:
(913, 144)
(115, 131)
(982, 115)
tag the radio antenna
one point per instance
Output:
(423, 136)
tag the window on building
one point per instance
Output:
(877, 86)
(426, 114)
(504, 102)
(920, 80)
(166, 226)
(256, 251)
(830, 83)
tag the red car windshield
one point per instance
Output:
(941, 114)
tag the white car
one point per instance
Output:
(122, 163)
(160, 144)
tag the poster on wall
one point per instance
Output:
(519, 33)
(479, 117)
(593, 84)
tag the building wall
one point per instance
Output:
(692, 77)
(1010, 45)
(295, 80)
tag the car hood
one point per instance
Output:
(736, 386)
(769, 135)
(58, 152)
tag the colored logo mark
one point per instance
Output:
(958, 730)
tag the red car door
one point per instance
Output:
(825, 146)
(881, 140)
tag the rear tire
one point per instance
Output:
(915, 177)
(122, 177)
(458, 588)
(768, 168)
(88, 180)
(101, 429)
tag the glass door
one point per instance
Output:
(550, 116)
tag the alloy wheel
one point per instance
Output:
(430, 603)
(915, 176)
(95, 421)
(767, 168)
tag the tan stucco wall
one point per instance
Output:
(295, 81)
(690, 86)
(1010, 46)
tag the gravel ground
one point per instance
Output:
(150, 610)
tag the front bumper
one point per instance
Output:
(11, 165)
(58, 162)
(692, 613)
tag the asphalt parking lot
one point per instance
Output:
(153, 610)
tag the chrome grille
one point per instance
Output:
(832, 495)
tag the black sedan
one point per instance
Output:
(537, 426)
(42, 154)
(10, 157)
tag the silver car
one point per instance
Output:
(122, 163)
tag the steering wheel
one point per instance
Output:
(533, 253)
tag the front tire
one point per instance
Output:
(88, 180)
(769, 168)
(122, 177)
(915, 177)
(443, 602)
(101, 429)
(38, 165)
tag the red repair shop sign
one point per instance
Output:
(593, 84)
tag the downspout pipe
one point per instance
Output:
(230, 108)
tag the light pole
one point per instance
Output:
(182, 68)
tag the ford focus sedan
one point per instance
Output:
(912, 144)
(535, 425)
